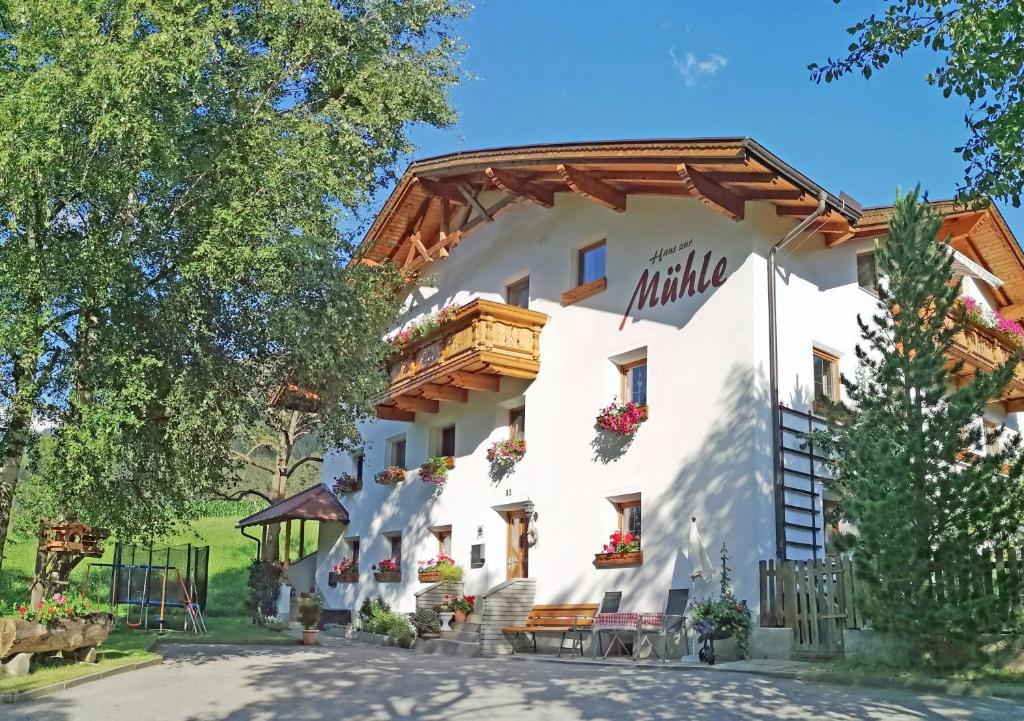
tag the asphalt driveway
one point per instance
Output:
(231, 683)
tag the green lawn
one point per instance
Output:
(120, 649)
(230, 556)
(868, 674)
(221, 629)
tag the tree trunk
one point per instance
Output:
(15, 441)
(278, 488)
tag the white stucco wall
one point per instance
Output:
(706, 450)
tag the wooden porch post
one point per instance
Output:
(288, 543)
(302, 538)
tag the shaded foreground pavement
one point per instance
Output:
(235, 683)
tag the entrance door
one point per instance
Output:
(518, 557)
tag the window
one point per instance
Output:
(629, 516)
(398, 452)
(395, 540)
(444, 540)
(590, 263)
(867, 271)
(518, 293)
(826, 379)
(448, 441)
(634, 381)
(357, 460)
(830, 513)
(517, 422)
(353, 548)
(993, 440)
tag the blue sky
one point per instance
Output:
(561, 70)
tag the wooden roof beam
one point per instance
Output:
(514, 184)
(436, 392)
(417, 404)
(440, 189)
(390, 413)
(710, 193)
(591, 188)
(476, 381)
(740, 177)
(471, 197)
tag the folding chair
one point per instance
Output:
(609, 604)
(673, 621)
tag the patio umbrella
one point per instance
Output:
(700, 562)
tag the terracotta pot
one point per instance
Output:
(309, 636)
(460, 616)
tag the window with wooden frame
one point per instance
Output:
(448, 441)
(353, 549)
(633, 386)
(395, 541)
(518, 293)
(517, 422)
(867, 272)
(398, 452)
(993, 440)
(629, 516)
(591, 275)
(357, 461)
(590, 263)
(826, 379)
(444, 540)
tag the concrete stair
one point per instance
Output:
(463, 640)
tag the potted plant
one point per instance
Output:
(440, 568)
(435, 470)
(69, 624)
(621, 418)
(623, 549)
(346, 483)
(310, 608)
(345, 571)
(422, 327)
(387, 571)
(507, 452)
(427, 622)
(444, 615)
(716, 619)
(390, 476)
(461, 606)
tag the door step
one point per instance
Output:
(466, 627)
(466, 636)
(447, 647)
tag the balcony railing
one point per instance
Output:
(982, 349)
(485, 341)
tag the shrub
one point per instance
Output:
(310, 608)
(450, 572)
(425, 620)
(371, 606)
(264, 584)
(403, 635)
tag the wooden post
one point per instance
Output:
(288, 543)
(302, 538)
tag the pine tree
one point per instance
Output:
(910, 469)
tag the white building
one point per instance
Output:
(644, 269)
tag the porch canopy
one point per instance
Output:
(316, 503)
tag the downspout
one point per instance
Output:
(773, 373)
(259, 544)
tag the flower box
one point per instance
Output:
(334, 578)
(74, 637)
(388, 576)
(390, 476)
(346, 484)
(430, 576)
(610, 560)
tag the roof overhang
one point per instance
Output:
(441, 200)
(316, 503)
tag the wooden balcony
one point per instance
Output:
(484, 342)
(982, 349)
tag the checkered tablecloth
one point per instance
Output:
(628, 620)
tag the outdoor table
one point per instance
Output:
(626, 621)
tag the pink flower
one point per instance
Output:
(59, 598)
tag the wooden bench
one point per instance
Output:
(567, 618)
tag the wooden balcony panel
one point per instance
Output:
(982, 349)
(485, 341)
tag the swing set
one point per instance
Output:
(150, 582)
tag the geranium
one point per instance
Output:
(435, 470)
(980, 315)
(60, 606)
(387, 565)
(390, 476)
(622, 418)
(442, 559)
(622, 543)
(509, 451)
(346, 565)
(422, 327)
(458, 603)
(346, 483)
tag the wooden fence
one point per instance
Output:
(791, 592)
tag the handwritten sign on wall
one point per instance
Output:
(681, 278)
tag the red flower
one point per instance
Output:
(22, 610)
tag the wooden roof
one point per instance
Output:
(439, 201)
(316, 503)
(979, 233)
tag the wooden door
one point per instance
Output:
(518, 555)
